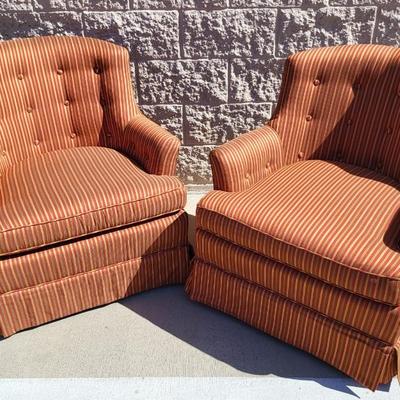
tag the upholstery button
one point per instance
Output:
(247, 176)
(3, 153)
(29, 110)
(308, 118)
(108, 135)
(349, 122)
(73, 135)
(267, 165)
(60, 71)
(36, 142)
(66, 103)
(316, 82)
(379, 165)
(300, 154)
(96, 70)
(356, 86)
(389, 131)
(20, 77)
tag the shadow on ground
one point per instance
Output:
(231, 341)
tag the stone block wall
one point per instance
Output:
(207, 70)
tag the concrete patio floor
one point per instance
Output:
(159, 344)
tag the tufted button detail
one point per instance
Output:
(29, 110)
(339, 156)
(268, 165)
(309, 117)
(316, 82)
(66, 103)
(389, 131)
(20, 77)
(3, 153)
(60, 71)
(379, 165)
(349, 122)
(108, 135)
(300, 154)
(356, 85)
(36, 142)
(72, 135)
(96, 70)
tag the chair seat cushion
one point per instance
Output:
(336, 222)
(71, 193)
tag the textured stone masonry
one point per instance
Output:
(207, 70)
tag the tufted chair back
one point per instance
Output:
(342, 103)
(61, 92)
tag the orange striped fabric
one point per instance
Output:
(341, 103)
(333, 221)
(42, 286)
(245, 160)
(81, 224)
(42, 303)
(367, 360)
(60, 92)
(69, 193)
(336, 103)
(375, 319)
(306, 209)
(107, 249)
(155, 149)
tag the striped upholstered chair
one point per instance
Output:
(300, 237)
(90, 211)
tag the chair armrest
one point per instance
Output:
(151, 146)
(243, 161)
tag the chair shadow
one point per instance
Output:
(191, 229)
(232, 341)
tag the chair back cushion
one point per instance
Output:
(61, 92)
(342, 103)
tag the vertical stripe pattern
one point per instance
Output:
(245, 160)
(378, 320)
(70, 193)
(335, 222)
(45, 285)
(39, 304)
(81, 224)
(341, 103)
(111, 248)
(367, 360)
(155, 149)
(62, 92)
(301, 236)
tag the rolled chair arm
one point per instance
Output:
(243, 161)
(151, 146)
